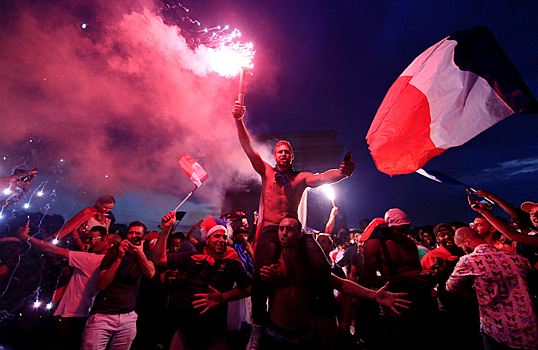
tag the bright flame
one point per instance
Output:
(328, 191)
(227, 57)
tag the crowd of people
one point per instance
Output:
(274, 285)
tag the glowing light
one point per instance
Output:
(228, 60)
(40, 193)
(328, 191)
(37, 303)
(26, 206)
(55, 241)
(61, 160)
(7, 191)
(83, 26)
(106, 175)
(49, 305)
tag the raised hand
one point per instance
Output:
(238, 111)
(347, 168)
(169, 219)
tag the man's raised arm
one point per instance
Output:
(159, 252)
(238, 112)
(46, 247)
(503, 227)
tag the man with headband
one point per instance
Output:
(209, 284)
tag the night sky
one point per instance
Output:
(109, 108)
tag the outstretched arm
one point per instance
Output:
(382, 296)
(214, 298)
(256, 160)
(46, 247)
(507, 207)
(331, 176)
(159, 252)
(502, 227)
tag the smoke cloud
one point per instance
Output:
(110, 106)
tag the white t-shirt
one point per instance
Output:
(82, 287)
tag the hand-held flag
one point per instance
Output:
(194, 171)
(453, 91)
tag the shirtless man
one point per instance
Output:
(289, 317)
(395, 257)
(282, 190)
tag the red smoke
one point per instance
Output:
(112, 106)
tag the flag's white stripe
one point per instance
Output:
(462, 104)
(428, 175)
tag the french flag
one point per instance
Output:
(453, 91)
(193, 170)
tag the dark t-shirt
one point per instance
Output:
(120, 296)
(200, 275)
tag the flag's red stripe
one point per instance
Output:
(399, 138)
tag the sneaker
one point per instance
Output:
(255, 335)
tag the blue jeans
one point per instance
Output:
(117, 329)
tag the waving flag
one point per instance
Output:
(453, 91)
(193, 170)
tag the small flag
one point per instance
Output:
(193, 170)
(453, 91)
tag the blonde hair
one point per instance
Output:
(284, 142)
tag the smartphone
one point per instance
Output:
(485, 201)
(347, 157)
(22, 171)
